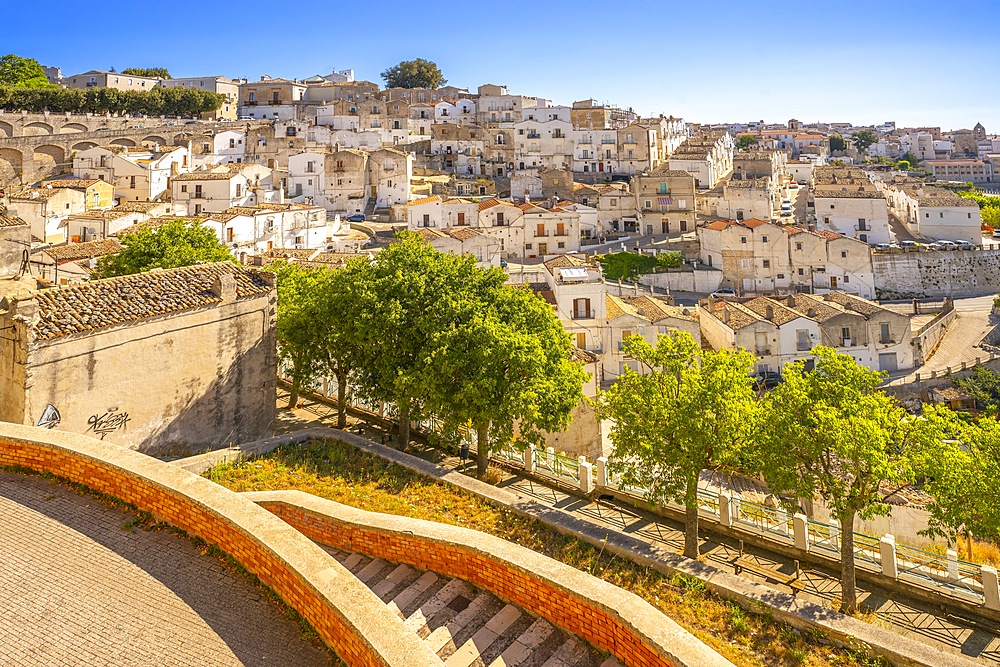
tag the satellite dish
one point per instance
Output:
(50, 417)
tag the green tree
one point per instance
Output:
(417, 73)
(960, 471)
(173, 244)
(630, 265)
(298, 329)
(984, 386)
(501, 360)
(23, 72)
(831, 433)
(152, 72)
(903, 165)
(908, 156)
(863, 139)
(837, 143)
(690, 410)
(745, 141)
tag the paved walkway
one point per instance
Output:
(79, 588)
(914, 619)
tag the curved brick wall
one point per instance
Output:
(609, 617)
(345, 613)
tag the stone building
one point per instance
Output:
(665, 199)
(15, 239)
(174, 360)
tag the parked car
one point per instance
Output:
(943, 245)
(964, 245)
(724, 292)
(767, 379)
(882, 246)
(357, 217)
(793, 184)
(803, 182)
(996, 233)
(909, 245)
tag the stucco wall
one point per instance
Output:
(14, 241)
(198, 380)
(934, 274)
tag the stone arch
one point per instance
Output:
(154, 139)
(69, 128)
(122, 142)
(6, 129)
(37, 128)
(10, 165)
(198, 144)
(181, 139)
(83, 145)
(49, 159)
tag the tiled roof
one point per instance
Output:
(31, 194)
(616, 307)
(72, 183)
(564, 261)
(137, 206)
(87, 250)
(105, 303)
(425, 200)
(490, 203)
(780, 313)
(855, 303)
(155, 222)
(581, 356)
(655, 309)
(464, 233)
(542, 289)
(7, 220)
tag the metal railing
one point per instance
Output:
(945, 574)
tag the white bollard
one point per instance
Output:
(529, 458)
(586, 477)
(602, 472)
(952, 556)
(887, 550)
(725, 510)
(550, 457)
(734, 509)
(991, 587)
(800, 527)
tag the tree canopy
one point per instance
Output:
(745, 141)
(690, 410)
(417, 73)
(173, 244)
(180, 101)
(152, 72)
(863, 139)
(830, 433)
(630, 265)
(22, 72)
(837, 143)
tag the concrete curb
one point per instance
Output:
(347, 614)
(611, 618)
(841, 629)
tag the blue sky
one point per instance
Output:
(708, 61)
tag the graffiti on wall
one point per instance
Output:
(109, 422)
(50, 417)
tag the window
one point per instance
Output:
(500, 218)
(560, 229)
(184, 188)
(232, 143)
(843, 253)
(845, 335)
(767, 264)
(197, 191)
(847, 279)
(527, 246)
(743, 240)
(461, 218)
(581, 341)
(649, 204)
(310, 167)
(562, 244)
(131, 182)
(763, 239)
(239, 189)
(884, 333)
(745, 263)
(427, 220)
(798, 246)
(614, 202)
(801, 339)
(802, 272)
(781, 276)
(941, 214)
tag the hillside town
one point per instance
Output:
(626, 311)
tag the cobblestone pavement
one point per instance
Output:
(78, 587)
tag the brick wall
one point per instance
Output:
(605, 621)
(367, 636)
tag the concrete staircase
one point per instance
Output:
(466, 626)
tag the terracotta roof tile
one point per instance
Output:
(105, 303)
(87, 250)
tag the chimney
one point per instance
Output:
(811, 312)
(725, 314)
(769, 313)
(225, 287)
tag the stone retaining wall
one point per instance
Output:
(349, 618)
(607, 616)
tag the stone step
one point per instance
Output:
(611, 662)
(441, 637)
(569, 654)
(370, 572)
(484, 637)
(353, 561)
(410, 594)
(417, 621)
(525, 645)
(393, 580)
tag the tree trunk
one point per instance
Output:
(482, 449)
(848, 582)
(404, 425)
(293, 395)
(691, 548)
(341, 399)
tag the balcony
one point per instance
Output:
(583, 314)
(534, 136)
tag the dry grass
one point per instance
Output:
(982, 553)
(337, 471)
